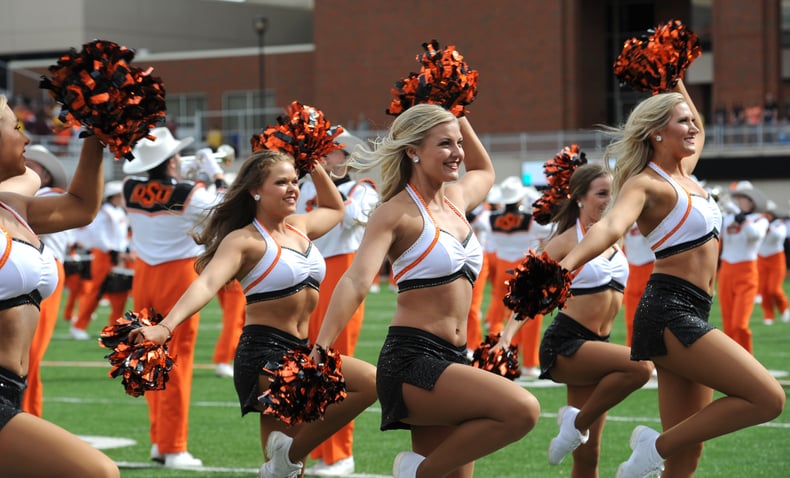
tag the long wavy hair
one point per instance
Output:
(578, 186)
(237, 208)
(408, 130)
(3, 103)
(631, 147)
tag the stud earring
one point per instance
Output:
(659, 138)
(579, 204)
(257, 197)
(416, 159)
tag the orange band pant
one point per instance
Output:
(74, 283)
(233, 303)
(771, 272)
(160, 287)
(474, 327)
(339, 445)
(497, 313)
(736, 292)
(89, 297)
(50, 308)
(634, 288)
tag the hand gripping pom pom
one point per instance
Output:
(444, 79)
(503, 362)
(539, 285)
(656, 61)
(301, 389)
(144, 366)
(558, 171)
(303, 133)
(100, 89)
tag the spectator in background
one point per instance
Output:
(515, 232)
(741, 236)
(772, 266)
(54, 181)
(338, 246)
(110, 237)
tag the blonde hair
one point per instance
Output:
(3, 103)
(237, 208)
(407, 131)
(631, 148)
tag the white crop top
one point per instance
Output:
(282, 271)
(437, 257)
(601, 272)
(27, 273)
(693, 221)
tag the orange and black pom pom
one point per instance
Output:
(301, 389)
(656, 61)
(303, 133)
(444, 79)
(558, 171)
(502, 362)
(99, 89)
(144, 366)
(539, 285)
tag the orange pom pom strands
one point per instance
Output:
(144, 366)
(659, 59)
(444, 79)
(303, 133)
(539, 285)
(100, 90)
(502, 362)
(558, 171)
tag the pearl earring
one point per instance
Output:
(257, 197)
(579, 204)
(416, 159)
(659, 138)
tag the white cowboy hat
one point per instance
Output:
(494, 195)
(746, 189)
(48, 161)
(150, 154)
(112, 188)
(512, 190)
(351, 143)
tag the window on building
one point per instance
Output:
(184, 110)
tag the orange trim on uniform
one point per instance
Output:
(7, 247)
(271, 266)
(674, 230)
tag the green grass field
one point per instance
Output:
(79, 396)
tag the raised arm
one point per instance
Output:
(690, 162)
(80, 204)
(330, 208)
(479, 176)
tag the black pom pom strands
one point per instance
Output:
(144, 366)
(444, 79)
(300, 388)
(558, 171)
(657, 60)
(99, 89)
(539, 285)
(502, 362)
(303, 133)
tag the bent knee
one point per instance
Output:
(522, 413)
(640, 373)
(772, 402)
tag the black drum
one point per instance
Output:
(118, 280)
(78, 264)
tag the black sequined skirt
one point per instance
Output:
(12, 388)
(672, 302)
(564, 336)
(412, 356)
(258, 345)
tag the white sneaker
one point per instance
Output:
(342, 467)
(531, 372)
(768, 321)
(155, 455)
(786, 316)
(182, 459)
(758, 299)
(569, 438)
(406, 464)
(645, 460)
(224, 370)
(78, 334)
(279, 464)
(375, 288)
